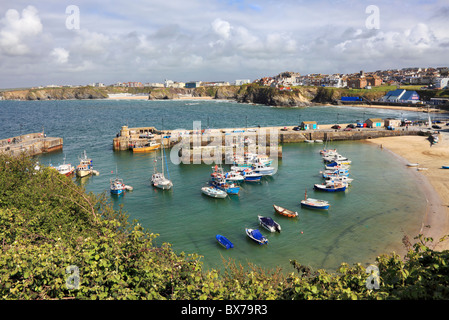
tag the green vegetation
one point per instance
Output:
(48, 225)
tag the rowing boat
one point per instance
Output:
(285, 212)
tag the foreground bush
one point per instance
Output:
(59, 242)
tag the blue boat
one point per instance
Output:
(228, 188)
(117, 186)
(250, 176)
(445, 167)
(225, 242)
(255, 235)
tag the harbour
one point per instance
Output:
(183, 216)
(30, 143)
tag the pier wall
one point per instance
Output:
(32, 143)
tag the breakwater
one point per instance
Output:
(207, 145)
(31, 143)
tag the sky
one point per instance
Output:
(80, 42)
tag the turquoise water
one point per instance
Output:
(370, 218)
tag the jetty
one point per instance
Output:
(31, 143)
(206, 144)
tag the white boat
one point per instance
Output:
(269, 224)
(213, 192)
(332, 180)
(336, 167)
(337, 157)
(412, 164)
(309, 141)
(158, 179)
(234, 176)
(263, 169)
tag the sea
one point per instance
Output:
(383, 204)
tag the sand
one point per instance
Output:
(434, 180)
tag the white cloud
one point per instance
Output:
(222, 28)
(16, 30)
(61, 55)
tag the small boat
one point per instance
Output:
(225, 242)
(337, 167)
(445, 167)
(158, 179)
(85, 167)
(263, 169)
(269, 224)
(314, 203)
(117, 186)
(422, 169)
(331, 187)
(412, 164)
(250, 176)
(234, 176)
(148, 147)
(285, 212)
(255, 235)
(213, 192)
(309, 141)
(318, 141)
(334, 179)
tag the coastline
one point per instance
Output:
(433, 181)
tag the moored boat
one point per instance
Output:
(255, 235)
(225, 242)
(250, 176)
(331, 187)
(148, 147)
(269, 224)
(85, 167)
(213, 192)
(314, 203)
(285, 212)
(117, 186)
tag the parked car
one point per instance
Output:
(347, 129)
(350, 126)
(336, 126)
(436, 127)
(296, 128)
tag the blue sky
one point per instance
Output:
(149, 41)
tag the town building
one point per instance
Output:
(374, 123)
(307, 125)
(440, 82)
(401, 96)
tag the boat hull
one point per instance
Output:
(256, 236)
(285, 212)
(312, 205)
(224, 242)
(329, 188)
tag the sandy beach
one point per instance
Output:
(434, 180)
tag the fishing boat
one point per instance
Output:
(225, 242)
(65, 168)
(158, 179)
(314, 203)
(85, 167)
(269, 224)
(214, 192)
(148, 147)
(337, 158)
(117, 186)
(331, 187)
(338, 166)
(334, 173)
(343, 179)
(250, 176)
(234, 176)
(255, 235)
(285, 212)
(263, 169)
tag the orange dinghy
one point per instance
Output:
(285, 212)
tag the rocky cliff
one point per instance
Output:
(55, 94)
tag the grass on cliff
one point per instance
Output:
(60, 242)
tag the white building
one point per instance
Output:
(441, 82)
(241, 82)
(168, 83)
